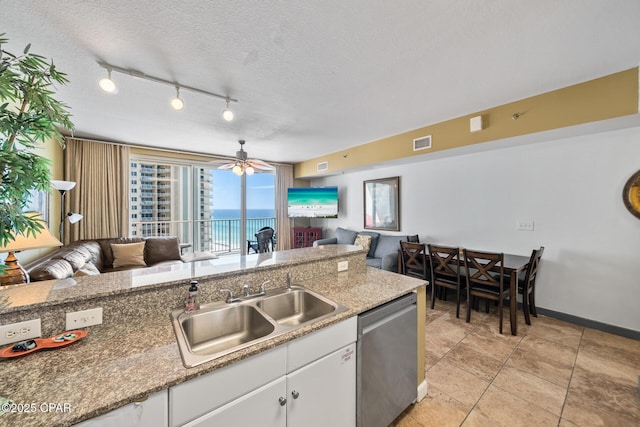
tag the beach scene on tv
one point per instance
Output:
(319, 202)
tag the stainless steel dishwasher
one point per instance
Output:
(386, 361)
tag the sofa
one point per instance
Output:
(91, 257)
(383, 250)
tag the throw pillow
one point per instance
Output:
(374, 242)
(344, 236)
(89, 269)
(128, 254)
(160, 249)
(364, 241)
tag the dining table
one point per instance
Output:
(513, 265)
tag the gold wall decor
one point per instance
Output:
(631, 194)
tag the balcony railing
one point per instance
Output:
(212, 235)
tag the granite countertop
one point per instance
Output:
(53, 292)
(121, 363)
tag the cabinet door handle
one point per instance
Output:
(282, 401)
(295, 394)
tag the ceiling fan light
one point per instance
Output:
(249, 170)
(106, 84)
(237, 170)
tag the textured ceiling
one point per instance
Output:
(314, 77)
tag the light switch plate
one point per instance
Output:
(81, 319)
(20, 331)
(524, 225)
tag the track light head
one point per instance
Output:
(177, 103)
(227, 114)
(106, 84)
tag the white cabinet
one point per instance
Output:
(323, 393)
(200, 396)
(153, 412)
(265, 407)
(310, 381)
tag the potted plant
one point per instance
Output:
(29, 115)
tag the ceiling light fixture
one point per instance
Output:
(227, 114)
(175, 101)
(106, 84)
(243, 165)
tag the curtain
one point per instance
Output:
(101, 195)
(284, 180)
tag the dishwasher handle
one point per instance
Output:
(375, 314)
(366, 329)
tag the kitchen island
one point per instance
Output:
(134, 352)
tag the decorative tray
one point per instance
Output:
(29, 346)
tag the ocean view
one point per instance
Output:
(226, 225)
(235, 213)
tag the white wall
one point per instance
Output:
(572, 190)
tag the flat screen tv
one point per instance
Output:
(316, 202)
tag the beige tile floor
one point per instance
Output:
(553, 373)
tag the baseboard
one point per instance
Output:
(422, 391)
(581, 321)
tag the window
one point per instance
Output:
(198, 203)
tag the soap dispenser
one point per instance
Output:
(192, 300)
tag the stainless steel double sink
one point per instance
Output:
(221, 328)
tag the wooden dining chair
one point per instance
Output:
(414, 260)
(527, 285)
(444, 262)
(485, 279)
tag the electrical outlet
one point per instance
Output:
(20, 331)
(81, 319)
(343, 265)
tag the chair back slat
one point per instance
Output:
(414, 259)
(444, 262)
(484, 268)
(534, 263)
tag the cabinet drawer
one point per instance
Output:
(317, 344)
(195, 398)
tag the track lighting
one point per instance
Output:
(106, 84)
(176, 103)
(227, 114)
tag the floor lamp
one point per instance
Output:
(63, 187)
(14, 273)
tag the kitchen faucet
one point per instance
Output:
(246, 293)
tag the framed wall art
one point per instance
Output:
(382, 204)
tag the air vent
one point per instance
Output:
(323, 166)
(422, 143)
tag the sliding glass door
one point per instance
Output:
(206, 208)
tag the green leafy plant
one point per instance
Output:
(29, 116)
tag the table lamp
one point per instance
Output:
(14, 273)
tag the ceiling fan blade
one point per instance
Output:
(227, 166)
(259, 164)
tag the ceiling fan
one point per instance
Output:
(244, 165)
